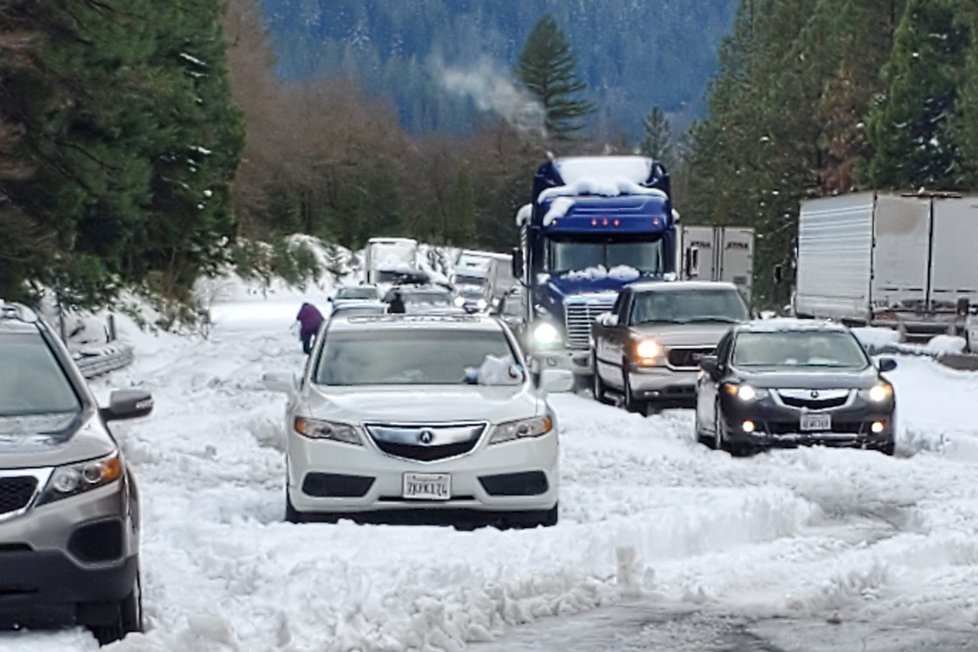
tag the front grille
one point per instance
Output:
(16, 492)
(425, 453)
(687, 358)
(814, 400)
(426, 443)
(580, 313)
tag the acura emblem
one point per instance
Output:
(814, 393)
(426, 436)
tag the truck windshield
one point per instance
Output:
(567, 256)
(469, 280)
(677, 306)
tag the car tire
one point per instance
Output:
(719, 442)
(292, 515)
(598, 389)
(546, 518)
(629, 402)
(888, 448)
(128, 617)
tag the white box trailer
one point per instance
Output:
(495, 268)
(717, 253)
(385, 258)
(903, 261)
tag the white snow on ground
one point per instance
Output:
(646, 514)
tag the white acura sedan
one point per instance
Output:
(421, 418)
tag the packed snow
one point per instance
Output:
(635, 169)
(651, 523)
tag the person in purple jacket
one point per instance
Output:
(310, 319)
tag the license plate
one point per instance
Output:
(816, 422)
(427, 486)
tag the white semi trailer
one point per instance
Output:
(886, 259)
(717, 253)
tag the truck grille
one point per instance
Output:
(16, 492)
(580, 314)
(687, 358)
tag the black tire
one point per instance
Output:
(292, 515)
(128, 618)
(628, 401)
(547, 518)
(718, 442)
(597, 385)
(888, 448)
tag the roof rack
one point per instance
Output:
(17, 311)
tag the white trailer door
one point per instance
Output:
(698, 253)
(901, 253)
(736, 257)
(954, 259)
(835, 244)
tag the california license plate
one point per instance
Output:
(427, 486)
(816, 422)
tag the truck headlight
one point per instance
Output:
(481, 304)
(459, 301)
(880, 393)
(648, 349)
(521, 429)
(74, 479)
(331, 430)
(546, 334)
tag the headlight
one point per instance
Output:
(880, 393)
(745, 393)
(545, 334)
(73, 479)
(316, 429)
(481, 304)
(648, 349)
(459, 301)
(535, 427)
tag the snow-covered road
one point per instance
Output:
(662, 543)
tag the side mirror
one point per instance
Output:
(279, 382)
(963, 306)
(556, 380)
(607, 319)
(329, 299)
(127, 404)
(886, 364)
(711, 365)
(517, 263)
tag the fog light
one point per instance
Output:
(747, 426)
(877, 427)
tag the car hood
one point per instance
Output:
(566, 285)
(702, 334)
(811, 379)
(421, 403)
(37, 442)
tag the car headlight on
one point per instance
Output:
(74, 479)
(331, 430)
(459, 301)
(546, 334)
(481, 304)
(521, 429)
(880, 393)
(648, 349)
(746, 393)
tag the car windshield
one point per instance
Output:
(799, 349)
(32, 382)
(564, 256)
(409, 356)
(469, 280)
(356, 293)
(683, 307)
(427, 297)
(512, 307)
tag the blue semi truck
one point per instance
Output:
(594, 225)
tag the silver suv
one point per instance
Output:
(69, 513)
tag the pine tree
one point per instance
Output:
(547, 69)
(963, 125)
(912, 144)
(657, 137)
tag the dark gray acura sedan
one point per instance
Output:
(789, 382)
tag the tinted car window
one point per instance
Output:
(356, 293)
(799, 349)
(406, 357)
(31, 380)
(684, 307)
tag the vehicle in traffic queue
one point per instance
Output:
(421, 418)
(787, 382)
(354, 294)
(69, 508)
(425, 299)
(647, 350)
(510, 310)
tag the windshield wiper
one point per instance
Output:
(661, 321)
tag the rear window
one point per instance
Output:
(409, 357)
(356, 293)
(31, 380)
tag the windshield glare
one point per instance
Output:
(799, 349)
(683, 307)
(408, 357)
(566, 256)
(32, 382)
(433, 298)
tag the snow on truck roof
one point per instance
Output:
(388, 322)
(634, 169)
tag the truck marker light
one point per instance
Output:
(604, 222)
(617, 222)
(594, 221)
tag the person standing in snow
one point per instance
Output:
(310, 319)
(396, 304)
